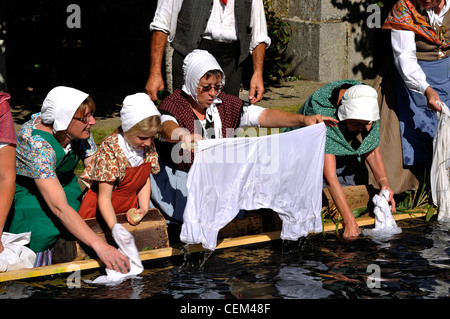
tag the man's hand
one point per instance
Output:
(155, 83)
(432, 99)
(257, 89)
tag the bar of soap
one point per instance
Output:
(136, 218)
(184, 146)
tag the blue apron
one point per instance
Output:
(418, 123)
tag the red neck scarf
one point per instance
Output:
(405, 16)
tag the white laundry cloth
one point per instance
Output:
(385, 225)
(15, 254)
(440, 166)
(283, 172)
(127, 246)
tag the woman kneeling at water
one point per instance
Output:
(49, 146)
(355, 137)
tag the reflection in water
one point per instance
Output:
(413, 264)
(296, 282)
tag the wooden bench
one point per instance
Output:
(150, 233)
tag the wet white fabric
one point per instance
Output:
(135, 108)
(15, 254)
(283, 172)
(440, 166)
(127, 246)
(60, 105)
(385, 225)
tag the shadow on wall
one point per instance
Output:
(372, 42)
(107, 56)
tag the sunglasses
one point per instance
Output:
(209, 87)
(85, 118)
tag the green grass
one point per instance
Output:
(99, 135)
(289, 108)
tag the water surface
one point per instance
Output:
(412, 265)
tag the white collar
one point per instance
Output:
(135, 156)
(212, 115)
(436, 19)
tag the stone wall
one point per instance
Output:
(330, 39)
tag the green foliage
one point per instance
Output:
(417, 198)
(279, 33)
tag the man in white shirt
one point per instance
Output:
(229, 30)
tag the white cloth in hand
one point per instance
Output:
(440, 167)
(127, 246)
(15, 254)
(385, 225)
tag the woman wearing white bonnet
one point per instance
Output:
(200, 110)
(49, 146)
(356, 137)
(118, 175)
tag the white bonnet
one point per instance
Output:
(60, 105)
(195, 65)
(359, 102)
(135, 108)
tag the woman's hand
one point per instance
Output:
(134, 216)
(317, 118)
(188, 141)
(112, 257)
(390, 200)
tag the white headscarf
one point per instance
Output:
(195, 66)
(60, 106)
(359, 102)
(135, 108)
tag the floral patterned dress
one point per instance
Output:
(110, 164)
(40, 156)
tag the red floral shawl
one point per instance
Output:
(404, 16)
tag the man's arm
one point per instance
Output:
(155, 80)
(257, 83)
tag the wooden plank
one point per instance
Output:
(169, 252)
(367, 220)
